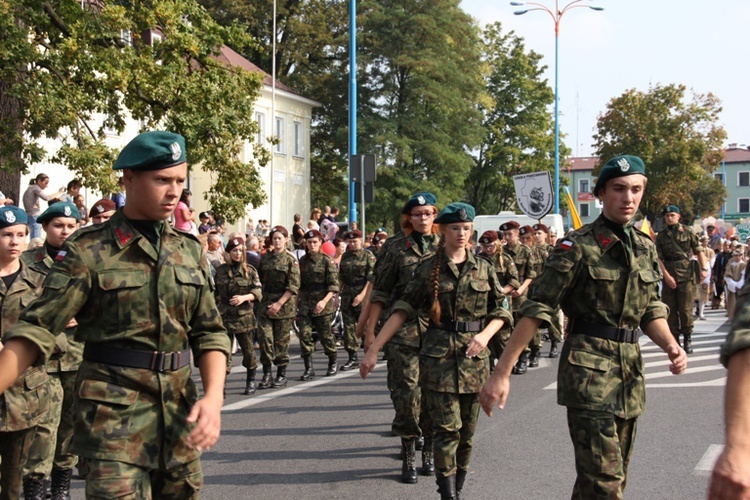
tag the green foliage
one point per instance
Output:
(679, 140)
(518, 125)
(70, 73)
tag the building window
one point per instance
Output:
(583, 210)
(126, 37)
(743, 205)
(279, 133)
(297, 139)
(719, 177)
(156, 37)
(583, 185)
(743, 179)
(260, 137)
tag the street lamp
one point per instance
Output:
(557, 15)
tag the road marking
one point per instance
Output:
(719, 382)
(664, 374)
(659, 353)
(691, 359)
(262, 398)
(707, 462)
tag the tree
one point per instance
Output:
(679, 140)
(68, 70)
(518, 126)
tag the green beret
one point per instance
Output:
(10, 215)
(153, 150)
(420, 199)
(456, 212)
(59, 209)
(619, 166)
(671, 209)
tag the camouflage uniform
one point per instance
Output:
(130, 296)
(278, 273)
(318, 277)
(605, 278)
(238, 320)
(739, 336)
(526, 264)
(398, 259)
(355, 269)
(451, 381)
(674, 245)
(507, 274)
(27, 402)
(54, 436)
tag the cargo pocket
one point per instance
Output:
(190, 281)
(123, 292)
(603, 282)
(105, 412)
(585, 379)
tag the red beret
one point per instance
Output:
(526, 229)
(314, 233)
(541, 227)
(380, 236)
(353, 234)
(510, 225)
(488, 237)
(234, 243)
(279, 229)
(101, 206)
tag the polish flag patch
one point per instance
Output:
(60, 255)
(566, 244)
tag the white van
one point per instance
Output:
(484, 223)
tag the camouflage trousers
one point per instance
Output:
(64, 458)
(680, 303)
(412, 418)
(107, 479)
(42, 450)
(350, 315)
(14, 451)
(454, 421)
(273, 338)
(245, 340)
(322, 325)
(603, 444)
(497, 344)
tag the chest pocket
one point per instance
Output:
(124, 301)
(190, 282)
(479, 290)
(604, 283)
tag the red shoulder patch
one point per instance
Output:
(123, 237)
(604, 241)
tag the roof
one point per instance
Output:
(737, 155)
(235, 59)
(581, 163)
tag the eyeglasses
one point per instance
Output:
(421, 215)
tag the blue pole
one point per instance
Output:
(557, 127)
(352, 105)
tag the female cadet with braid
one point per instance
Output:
(463, 295)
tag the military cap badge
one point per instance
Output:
(10, 217)
(66, 211)
(421, 200)
(176, 151)
(623, 164)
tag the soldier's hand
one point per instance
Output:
(494, 393)
(670, 281)
(369, 338)
(206, 414)
(678, 357)
(357, 300)
(730, 479)
(359, 331)
(273, 308)
(367, 365)
(319, 307)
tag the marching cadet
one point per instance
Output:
(319, 282)
(605, 276)
(279, 273)
(355, 275)
(527, 236)
(141, 295)
(237, 287)
(102, 211)
(541, 240)
(50, 454)
(26, 402)
(462, 296)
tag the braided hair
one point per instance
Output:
(435, 281)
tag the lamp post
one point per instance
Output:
(556, 15)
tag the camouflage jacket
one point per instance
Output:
(25, 403)
(398, 260)
(126, 294)
(471, 294)
(589, 275)
(506, 269)
(40, 262)
(674, 246)
(230, 281)
(739, 336)
(526, 264)
(278, 273)
(318, 276)
(355, 269)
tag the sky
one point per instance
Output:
(636, 44)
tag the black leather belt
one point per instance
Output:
(459, 326)
(606, 332)
(314, 288)
(159, 361)
(357, 282)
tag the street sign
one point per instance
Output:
(369, 192)
(366, 162)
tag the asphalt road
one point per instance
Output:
(330, 438)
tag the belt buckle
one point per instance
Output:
(175, 364)
(157, 361)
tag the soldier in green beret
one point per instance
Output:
(141, 294)
(50, 453)
(675, 245)
(26, 402)
(462, 296)
(605, 276)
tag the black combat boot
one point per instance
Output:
(428, 465)
(280, 380)
(522, 365)
(534, 358)
(553, 351)
(333, 367)
(419, 443)
(266, 382)
(309, 373)
(460, 480)
(408, 469)
(61, 483)
(33, 487)
(352, 363)
(250, 382)
(688, 342)
(447, 487)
